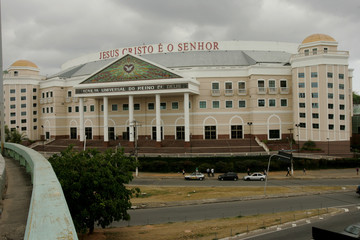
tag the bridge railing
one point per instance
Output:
(49, 216)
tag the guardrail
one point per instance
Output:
(49, 216)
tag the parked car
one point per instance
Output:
(358, 190)
(255, 177)
(352, 230)
(195, 176)
(228, 176)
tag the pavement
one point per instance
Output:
(14, 207)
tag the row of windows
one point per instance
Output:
(314, 51)
(242, 84)
(47, 94)
(316, 105)
(317, 126)
(23, 90)
(23, 105)
(315, 85)
(316, 95)
(316, 115)
(315, 75)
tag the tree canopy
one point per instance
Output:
(14, 136)
(356, 98)
(93, 185)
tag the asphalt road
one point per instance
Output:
(237, 208)
(213, 182)
(303, 229)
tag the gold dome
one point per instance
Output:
(318, 37)
(24, 63)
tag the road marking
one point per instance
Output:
(294, 225)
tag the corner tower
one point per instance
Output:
(322, 88)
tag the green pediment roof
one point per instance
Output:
(130, 68)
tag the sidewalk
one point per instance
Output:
(16, 201)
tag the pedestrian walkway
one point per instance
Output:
(16, 202)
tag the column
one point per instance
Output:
(106, 120)
(81, 110)
(187, 119)
(158, 120)
(131, 119)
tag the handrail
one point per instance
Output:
(49, 216)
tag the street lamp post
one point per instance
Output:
(250, 123)
(328, 146)
(298, 128)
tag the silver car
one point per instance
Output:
(255, 177)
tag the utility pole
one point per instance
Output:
(291, 160)
(250, 123)
(135, 125)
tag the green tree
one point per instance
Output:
(14, 136)
(356, 98)
(93, 185)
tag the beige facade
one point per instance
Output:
(309, 95)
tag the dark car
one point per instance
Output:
(358, 190)
(228, 176)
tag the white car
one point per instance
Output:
(255, 177)
(195, 176)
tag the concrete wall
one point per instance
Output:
(2, 176)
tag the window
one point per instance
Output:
(23, 98)
(92, 108)
(301, 95)
(69, 109)
(12, 114)
(23, 105)
(175, 105)
(228, 88)
(13, 106)
(314, 84)
(242, 87)
(23, 128)
(302, 125)
(34, 105)
(102, 107)
(202, 104)
(125, 107)
(341, 86)
(163, 105)
(301, 85)
(301, 105)
(69, 93)
(330, 95)
(12, 99)
(12, 90)
(331, 126)
(34, 90)
(23, 120)
(34, 112)
(215, 86)
(315, 115)
(23, 113)
(315, 105)
(272, 102)
(330, 106)
(137, 106)
(342, 127)
(342, 117)
(34, 97)
(315, 125)
(331, 116)
(342, 107)
(76, 108)
(314, 74)
(43, 95)
(84, 108)
(330, 85)
(215, 104)
(210, 132)
(329, 74)
(325, 50)
(306, 52)
(314, 51)
(341, 76)
(314, 95)
(272, 84)
(151, 106)
(261, 102)
(301, 75)
(242, 103)
(51, 94)
(12, 121)
(236, 131)
(43, 110)
(261, 83)
(180, 132)
(23, 90)
(302, 115)
(47, 94)
(114, 107)
(283, 102)
(35, 127)
(228, 104)
(341, 96)
(274, 134)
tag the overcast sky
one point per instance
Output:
(49, 32)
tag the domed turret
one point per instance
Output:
(24, 63)
(317, 38)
